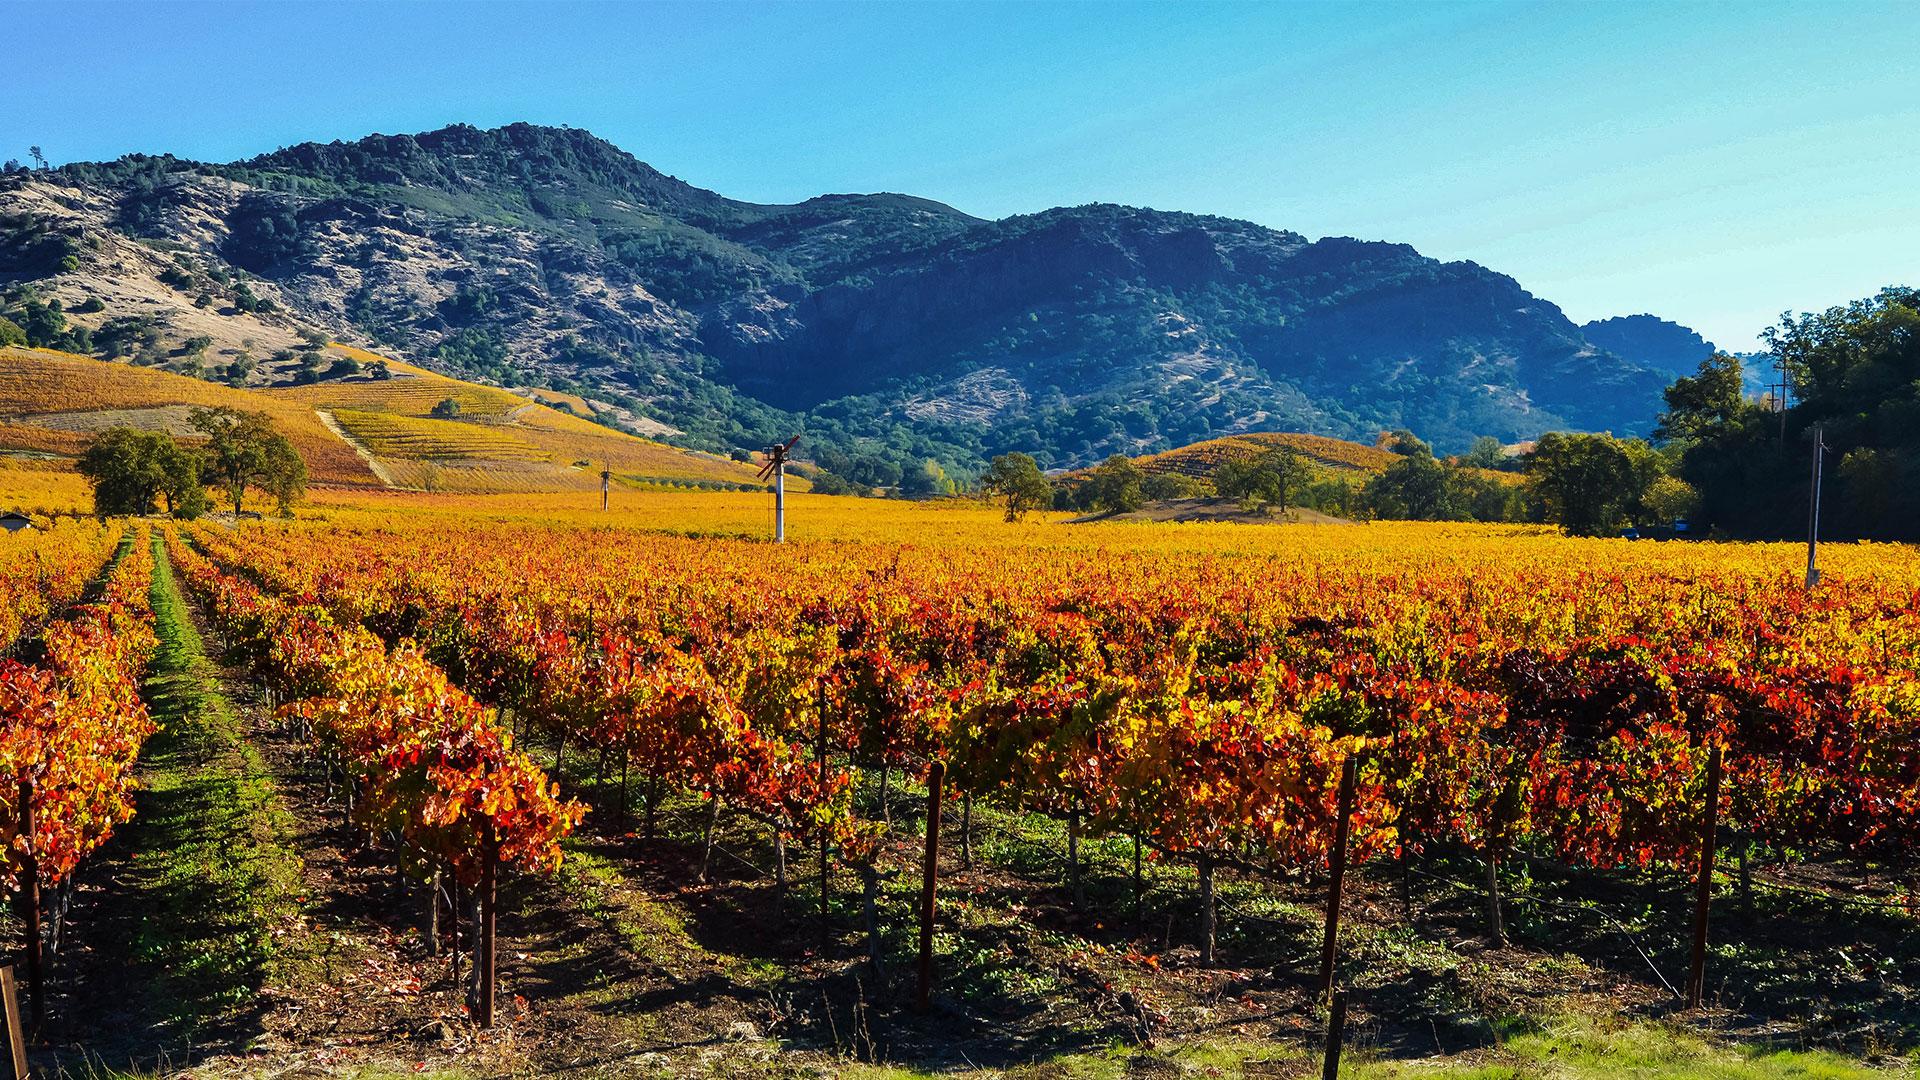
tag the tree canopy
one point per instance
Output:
(1592, 484)
(1016, 478)
(132, 470)
(1855, 371)
(243, 450)
(1271, 479)
(1117, 486)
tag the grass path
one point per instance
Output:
(195, 895)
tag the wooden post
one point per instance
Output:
(966, 830)
(489, 856)
(1337, 864)
(826, 882)
(1139, 880)
(1073, 860)
(1206, 910)
(453, 910)
(826, 868)
(1496, 927)
(936, 779)
(30, 909)
(1336, 1033)
(16, 1035)
(1703, 890)
(433, 913)
(706, 853)
(626, 760)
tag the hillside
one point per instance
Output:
(1199, 460)
(353, 430)
(1652, 342)
(1347, 463)
(888, 328)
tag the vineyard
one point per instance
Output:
(391, 435)
(974, 797)
(354, 432)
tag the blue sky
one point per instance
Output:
(1712, 163)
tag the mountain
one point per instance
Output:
(1651, 342)
(890, 329)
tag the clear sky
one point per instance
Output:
(1711, 163)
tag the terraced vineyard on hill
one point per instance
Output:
(1200, 460)
(355, 431)
(50, 402)
(397, 435)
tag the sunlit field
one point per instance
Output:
(683, 754)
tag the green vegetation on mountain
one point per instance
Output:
(891, 330)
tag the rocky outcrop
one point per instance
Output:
(547, 255)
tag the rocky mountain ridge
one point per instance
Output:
(891, 329)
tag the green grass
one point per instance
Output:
(210, 873)
(1570, 1049)
(1578, 1049)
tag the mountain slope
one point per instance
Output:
(888, 328)
(1652, 342)
(352, 430)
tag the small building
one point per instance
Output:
(14, 521)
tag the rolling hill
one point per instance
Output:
(889, 329)
(1199, 460)
(353, 430)
(1348, 462)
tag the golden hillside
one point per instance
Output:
(53, 402)
(1330, 457)
(358, 431)
(1199, 460)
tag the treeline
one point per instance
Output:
(1588, 484)
(138, 472)
(1854, 373)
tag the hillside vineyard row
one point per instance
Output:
(72, 720)
(1203, 705)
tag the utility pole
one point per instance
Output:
(1780, 398)
(1813, 512)
(776, 467)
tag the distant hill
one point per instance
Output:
(1337, 459)
(888, 328)
(1652, 342)
(352, 430)
(1199, 460)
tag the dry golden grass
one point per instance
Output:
(35, 382)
